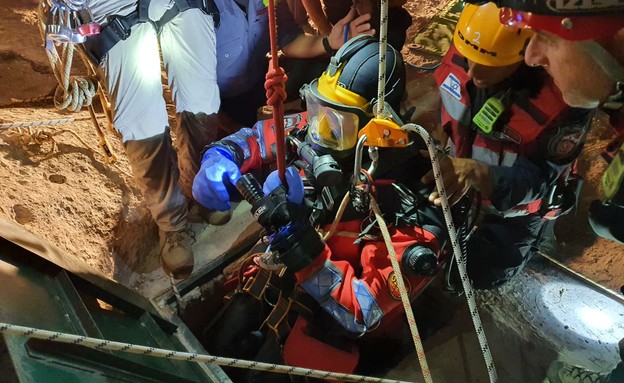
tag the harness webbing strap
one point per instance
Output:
(117, 28)
(208, 7)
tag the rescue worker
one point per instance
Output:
(589, 35)
(512, 138)
(243, 43)
(350, 277)
(126, 54)
(585, 34)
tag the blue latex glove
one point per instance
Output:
(209, 184)
(293, 179)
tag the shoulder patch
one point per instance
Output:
(452, 86)
(566, 141)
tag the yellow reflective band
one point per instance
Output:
(328, 87)
(612, 178)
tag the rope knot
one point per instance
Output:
(80, 92)
(275, 85)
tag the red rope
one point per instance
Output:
(276, 94)
(275, 86)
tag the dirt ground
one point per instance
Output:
(66, 192)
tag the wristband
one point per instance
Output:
(328, 47)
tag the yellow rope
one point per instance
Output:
(24, 137)
(420, 351)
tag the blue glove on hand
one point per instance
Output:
(293, 179)
(209, 184)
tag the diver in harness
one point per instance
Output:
(339, 290)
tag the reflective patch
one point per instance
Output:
(452, 86)
(393, 286)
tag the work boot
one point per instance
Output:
(176, 253)
(561, 372)
(214, 217)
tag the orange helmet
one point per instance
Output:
(480, 37)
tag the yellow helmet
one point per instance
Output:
(480, 37)
(339, 102)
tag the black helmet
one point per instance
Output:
(339, 103)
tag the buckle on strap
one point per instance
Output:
(120, 25)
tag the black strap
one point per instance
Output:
(207, 6)
(118, 28)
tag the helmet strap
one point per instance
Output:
(612, 68)
(616, 100)
(347, 51)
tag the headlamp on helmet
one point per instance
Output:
(480, 37)
(571, 20)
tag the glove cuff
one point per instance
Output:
(224, 148)
(298, 248)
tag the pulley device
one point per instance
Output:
(69, 21)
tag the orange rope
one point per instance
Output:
(275, 86)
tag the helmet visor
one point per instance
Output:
(331, 125)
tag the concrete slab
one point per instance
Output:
(213, 244)
(540, 316)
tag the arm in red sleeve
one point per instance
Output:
(251, 148)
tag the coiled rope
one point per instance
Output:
(72, 92)
(103, 344)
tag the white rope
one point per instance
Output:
(411, 321)
(459, 256)
(383, 42)
(72, 93)
(40, 123)
(103, 344)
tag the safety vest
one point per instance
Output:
(242, 42)
(523, 127)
